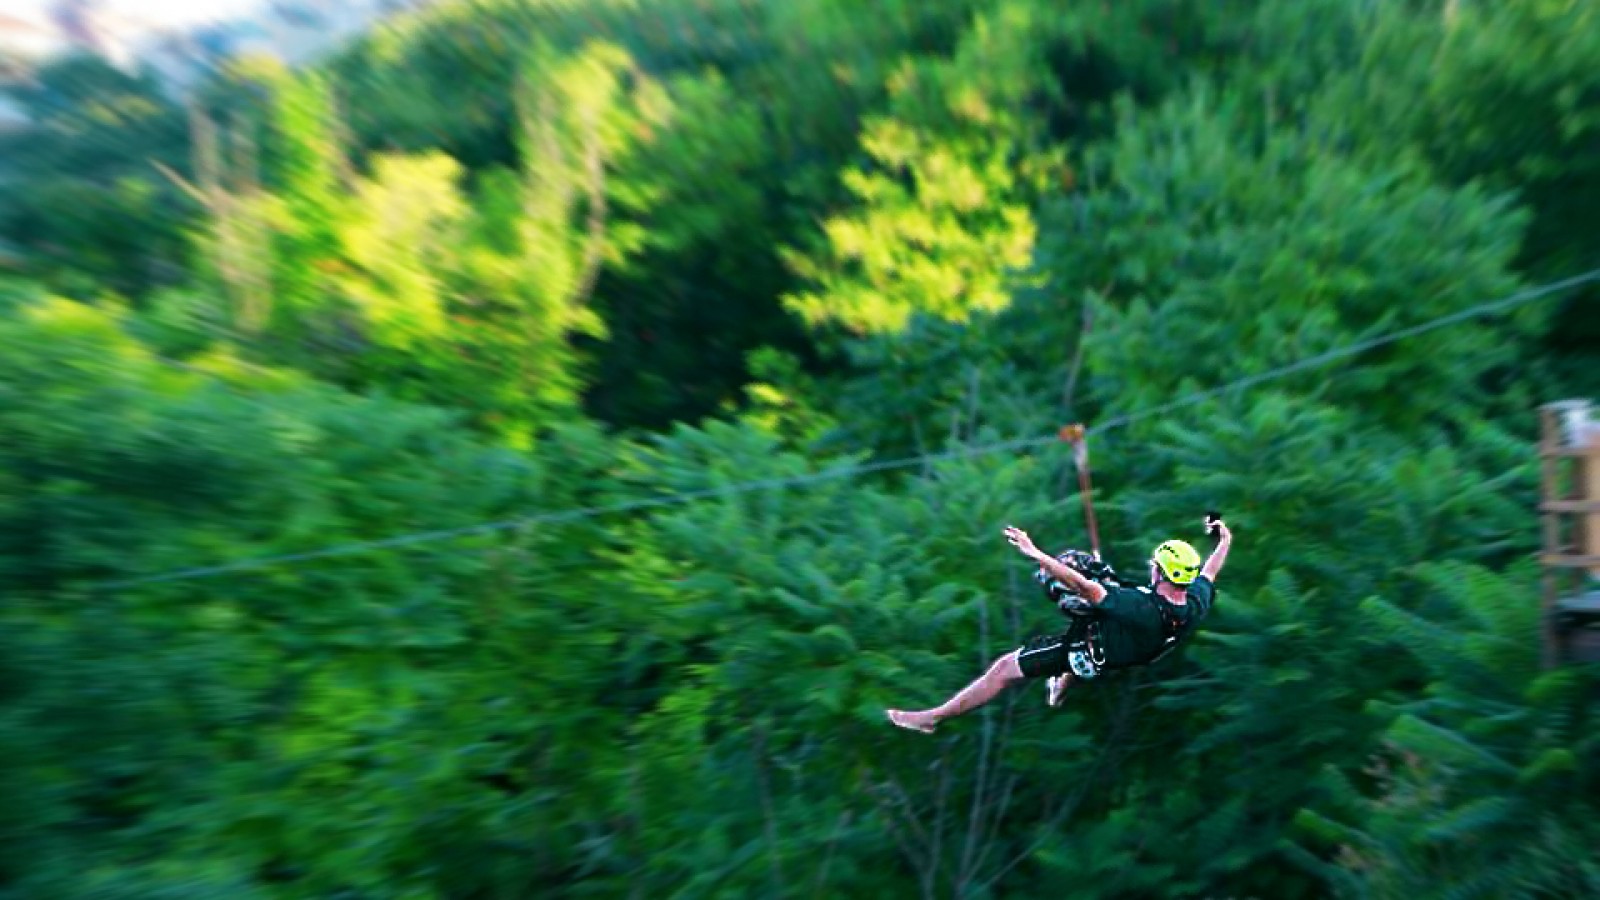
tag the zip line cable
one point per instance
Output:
(419, 537)
(1312, 362)
(572, 514)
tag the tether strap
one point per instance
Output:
(1074, 435)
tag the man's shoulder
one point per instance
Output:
(1201, 592)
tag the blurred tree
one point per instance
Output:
(945, 221)
(1482, 781)
(392, 280)
(489, 219)
(80, 200)
(1501, 95)
(1228, 256)
(288, 726)
(795, 619)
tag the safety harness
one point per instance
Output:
(1085, 654)
(1171, 626)
(1084, 651)
(1086, 564)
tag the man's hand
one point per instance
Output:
(1219, 556)
(1219, 528)
(1091, 591)
(1020, 540)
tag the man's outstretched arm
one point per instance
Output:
(1092, 591)
(1219, 556)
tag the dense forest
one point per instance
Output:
(524, 453)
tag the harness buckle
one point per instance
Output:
(1086, 657)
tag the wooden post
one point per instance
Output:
(1550, 530)
(1587, 478)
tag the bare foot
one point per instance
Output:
(913, 721)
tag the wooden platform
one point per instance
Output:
(1569, 514)
(1577, 627)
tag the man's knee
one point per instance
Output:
(1009, 668)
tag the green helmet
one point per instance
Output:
(1178, 561)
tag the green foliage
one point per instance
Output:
(1501, 95)
(407, 219)
(82, 201)
(1479, 777)
(1234, 255)
(394, 279)
(323, 578)
(944, 224)
(277, 693)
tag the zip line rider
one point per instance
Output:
(1117, 628)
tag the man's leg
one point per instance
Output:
(1005, 672)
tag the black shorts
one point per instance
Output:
(1074, 650)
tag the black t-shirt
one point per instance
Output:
(1131, 627)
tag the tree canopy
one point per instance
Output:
(523, 454)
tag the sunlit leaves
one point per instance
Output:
(943, 227)
(401, 236)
